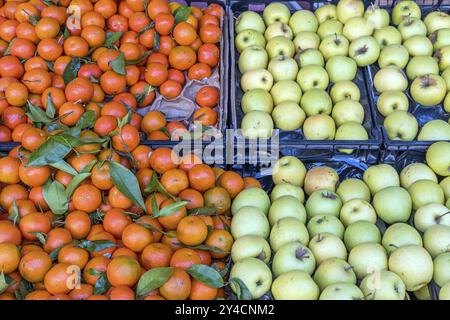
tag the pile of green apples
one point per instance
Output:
(288, 61)
(415, 53)
(385, 236)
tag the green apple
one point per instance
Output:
(435, 130)
(444, 293)
(423, 293)
(322, 177)
(436, 239)
(424, 192)
(446, 76)
(376, 17)
(381, 176)
(357, 210)
(440, 38)
(257, 124)
(387, 36)
(332, 271)
(438, 158)
(280, 46)
(295, 285)
(364, 50)
(442, 55)
(323, 202)
(445, 185)
(326, 12)
(428, 90)
(250, 246)
(330, 27)
(341, 68)
(257, 100)
(360, 232)
(287, 189)
(399, 235)
(276, 12)
(383, 285)
(289, 169)
(287, 206)
(345, 90)
(431, 214)
(351, 131)
(286, 90)
(446, 103)
(254, 197)
(257, 79)
(316, 101)
(357, 27)
(283, 68)
(390, 101)
(306, 40)
(413, 264)
(405, 9)
(249, 20)
(347, 9)
(255, 275)
(278, 29)
(353, 189)
(312, 77)
(348, 110)
(401, 125)
(288, 116)
(441, 270)
(326, 246)
(393, 204)
(418, 46)
(303, 20)
(319, 127)
(334, 45)
(248, 38)
(436, 20)
(390, 78)
(367, 258)
(410, 27)
(293, 256)
(249, 221)
(309, 57)
(287, 230)
(393, 55)
(253, 58)
(421, 66)
(341, 291)
(325, 223)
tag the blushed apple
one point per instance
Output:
(322, 177)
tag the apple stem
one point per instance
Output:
(438, 219)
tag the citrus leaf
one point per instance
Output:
(55, 196)
(71, 70)
(140, 97)
(154, 203)
(140, 59)
(37, 114)
(126, 119)
(153, 279)
(49, 152)
(206, 275)
(50, 110)
(170, 209)
(155, 186)
(94, 272)
(241, 289)
(75, 182)
(54, 254)
(95, 245)
(111, 38)
(209, 248)
(118, 64)
(14, 215)
(181, 14)
(203, 211)
(64, 166)
(152, 228)
(25, 288)
(126, 182)
(89, 166)
(8, 49)
(102, 284)
(50, 65)
(157, 41)
(87, 120)
(40, 236)
(5, 282)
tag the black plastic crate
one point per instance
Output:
(370, 147)
(393, 148)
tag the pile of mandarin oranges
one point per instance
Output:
(86, 210)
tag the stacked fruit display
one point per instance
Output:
(414, 53)
(288, 62)
(108, 57)
(378, 237)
